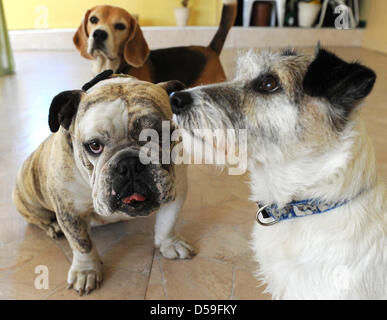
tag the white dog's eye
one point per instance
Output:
(268, 84)
(95, 147)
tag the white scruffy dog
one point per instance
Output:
(321, 231)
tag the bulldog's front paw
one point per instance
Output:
(85, 275)
(175, 248)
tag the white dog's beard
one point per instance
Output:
(225, 148)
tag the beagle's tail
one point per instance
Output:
(229, 13)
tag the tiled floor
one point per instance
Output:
(216, 218)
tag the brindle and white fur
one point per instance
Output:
(305, 140)
(62, 186)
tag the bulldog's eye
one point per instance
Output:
(94, 147)
(94, 20)
(119, 26)
(268, 84)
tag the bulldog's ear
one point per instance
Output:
(340, 82)
(81, 36)
(136, 50)
(172, 86)
(63, 108)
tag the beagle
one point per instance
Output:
(112, 38)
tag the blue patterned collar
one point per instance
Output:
(269, 215)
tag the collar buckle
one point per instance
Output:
(262, 220)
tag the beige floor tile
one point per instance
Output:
(226, 213)
(246, 287)
(24, 269)
(19, 263)
(118, 284)
(156, 289)
(22, 291)
(132, 252)
(198, 278)
(226, 245)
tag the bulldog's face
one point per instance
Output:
(105, 137)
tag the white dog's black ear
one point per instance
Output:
(340, 82)
(172, 86)
(63, 108)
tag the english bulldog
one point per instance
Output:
(88, 171)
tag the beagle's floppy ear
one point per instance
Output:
(136, 50)
(81, 36)
(63, 108)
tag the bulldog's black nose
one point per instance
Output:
(180, 101)
(129, 166)
(100, 35)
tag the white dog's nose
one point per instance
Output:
(180, 101)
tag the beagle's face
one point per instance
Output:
(108, 29)
(113, 34)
